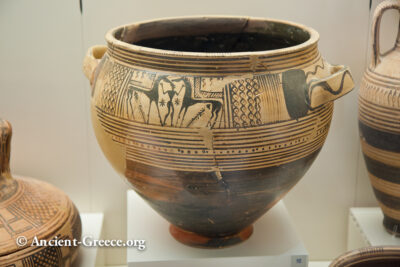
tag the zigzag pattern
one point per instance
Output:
(246, 103)
(114, 79)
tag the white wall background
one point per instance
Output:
(46, 97)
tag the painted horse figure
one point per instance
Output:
(188, 101)
(153, 94)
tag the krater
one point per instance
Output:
(212, 119)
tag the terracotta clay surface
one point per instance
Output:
(379, 122)
(369, 257)
(212, 119)
(33, 209)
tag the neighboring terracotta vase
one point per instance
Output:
(32, 209)
(386, 256)
(212, 119)
(379, 121)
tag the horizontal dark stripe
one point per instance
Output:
(393, 81)
(215, 71)
(211, 61)
(320, 112)
(182, 65)
(382, 171)
(379, 139)
(371, 107)
(222, 139)
(280, 139)
(389, 201)
(389, 121)
(298, 53)
(375, 83)
(225, 160)
(143, 136)
(323, 112)
(123, 136)
(392, 225)
(182, 58)
(188, 61)
(251, 145)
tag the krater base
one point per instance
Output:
(200, 241)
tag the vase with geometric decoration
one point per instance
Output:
(212, 119)
(379, 122)
(38, 222)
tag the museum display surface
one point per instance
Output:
(33, 210)
(365, 229)
(212, 119)
(379, 122)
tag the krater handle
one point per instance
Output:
(324, 90)
(92, 60)
(302, 95)
(376, 25)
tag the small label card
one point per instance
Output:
(299, 261)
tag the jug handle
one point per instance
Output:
(92, 60)
(379, 11)
(5, 141)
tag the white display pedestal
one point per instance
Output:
(92, 224)
(319, 263)
(366, 229)
(273, 243)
